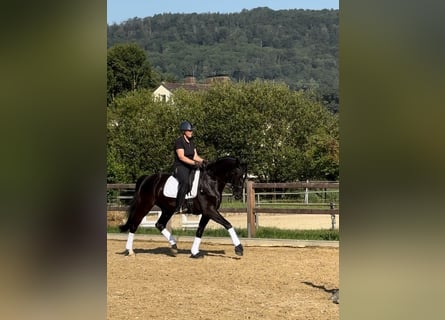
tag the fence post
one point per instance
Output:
(251, 225)
(331, 205)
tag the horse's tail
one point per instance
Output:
(135, 201)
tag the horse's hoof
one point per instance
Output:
(129, 253)
(199, 255)
(239, 250)
(174, 249)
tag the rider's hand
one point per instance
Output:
(198, 164)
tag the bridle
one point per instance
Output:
(237, 186)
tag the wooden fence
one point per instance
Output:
(252, 206)
(253, 209)
(129, 188)
(125, 194)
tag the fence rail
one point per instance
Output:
(253, 209)
(296, 185)
(252, 200)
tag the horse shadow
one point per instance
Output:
(335, 292)
(219, 254)
(168, 252)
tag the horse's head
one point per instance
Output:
(238, 176)
(229, 170)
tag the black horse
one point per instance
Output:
(149, 192)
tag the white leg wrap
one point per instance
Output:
(129, 245)
(195, 246)
(168, 236)
(234, 237)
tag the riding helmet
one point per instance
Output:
(185, 126)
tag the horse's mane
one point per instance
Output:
(218, 169)
(212, 167)
(210, 174)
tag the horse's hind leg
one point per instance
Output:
(161, 225)
(133, 225)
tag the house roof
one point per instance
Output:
(186, 86)
(190, 83)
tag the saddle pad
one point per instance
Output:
(171, 187)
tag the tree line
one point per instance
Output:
(298, 47)
(283, 134)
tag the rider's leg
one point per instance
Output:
(182, 175)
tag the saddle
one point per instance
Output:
(171, 187)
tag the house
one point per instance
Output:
(165, 91)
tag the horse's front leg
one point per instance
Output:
(197, 241)
(218, 218)
(161, 226)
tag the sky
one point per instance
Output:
(121, 10)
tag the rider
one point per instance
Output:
(186, 159)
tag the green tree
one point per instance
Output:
(299, 47)
(128, 70)
(140, 136)
(284, 135)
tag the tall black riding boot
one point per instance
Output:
(180, 200)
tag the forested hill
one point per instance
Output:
(299, 47)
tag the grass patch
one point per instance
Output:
(276, 233)
(262, 232)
